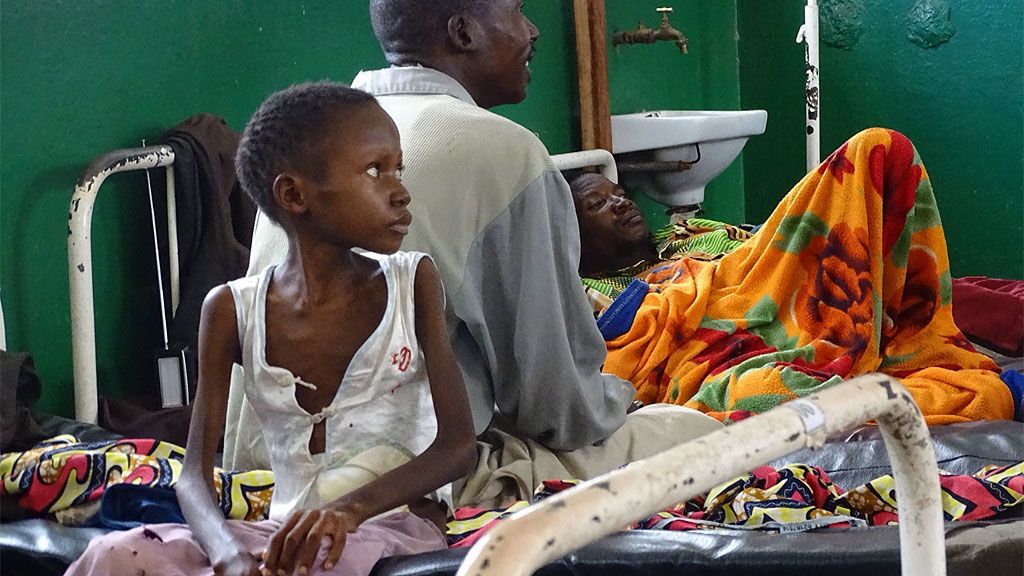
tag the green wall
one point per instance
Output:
(961, 103)
(79, 78)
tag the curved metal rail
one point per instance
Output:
(603, 159)
(535, 536)
(83, 321)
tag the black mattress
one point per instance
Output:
(991, 548)
(972, 549)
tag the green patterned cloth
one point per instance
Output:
(697, 238)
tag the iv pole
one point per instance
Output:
(808, 36)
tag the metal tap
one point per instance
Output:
(644, 35)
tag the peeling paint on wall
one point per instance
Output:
(928, 23)
(840, 22)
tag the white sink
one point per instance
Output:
(673, 135)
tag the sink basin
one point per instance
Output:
(673, 135)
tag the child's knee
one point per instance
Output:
(114, 553)
(396, 534)
(133, 552)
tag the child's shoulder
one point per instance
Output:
(244, 290)
(403, 267)
(401, 260)
(247, 284)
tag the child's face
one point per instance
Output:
(361, 201)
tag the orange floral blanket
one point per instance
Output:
(849, 275)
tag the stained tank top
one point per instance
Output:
(381, 417)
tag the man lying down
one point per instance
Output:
(849, 275)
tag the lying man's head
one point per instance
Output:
(613, 233)
(484, 44)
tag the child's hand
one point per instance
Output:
(294, 547)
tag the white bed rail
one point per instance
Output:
(602, 159)
(83, 321)
(537, 535)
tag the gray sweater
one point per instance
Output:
(498, 219)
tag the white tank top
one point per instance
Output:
(382, 415)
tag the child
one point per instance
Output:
(346, 358)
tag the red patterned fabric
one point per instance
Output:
(990, 311)
(796, 497)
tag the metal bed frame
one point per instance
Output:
(83, 317)
(600, 158)
(536, 535)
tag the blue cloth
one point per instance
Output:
(618, 318)
(1015, 382)
(126, 506)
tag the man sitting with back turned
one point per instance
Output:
(499, 220)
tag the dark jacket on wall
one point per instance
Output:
(214, 222)
(20, 389)
(215, 219)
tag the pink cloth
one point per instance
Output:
(990, 311)
(170, 549)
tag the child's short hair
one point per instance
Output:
(288, 132)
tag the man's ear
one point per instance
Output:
(289, 194)
(464, 32)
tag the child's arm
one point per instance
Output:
(451, 455)
(218, 350)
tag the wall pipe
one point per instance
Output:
(537, 535)
(592, 72)
(172, 242)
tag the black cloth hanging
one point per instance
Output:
(215, 220)
(20, 389)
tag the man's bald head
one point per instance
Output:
(409, 30)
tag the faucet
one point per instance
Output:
(645, 35)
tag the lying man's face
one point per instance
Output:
(610, 223)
